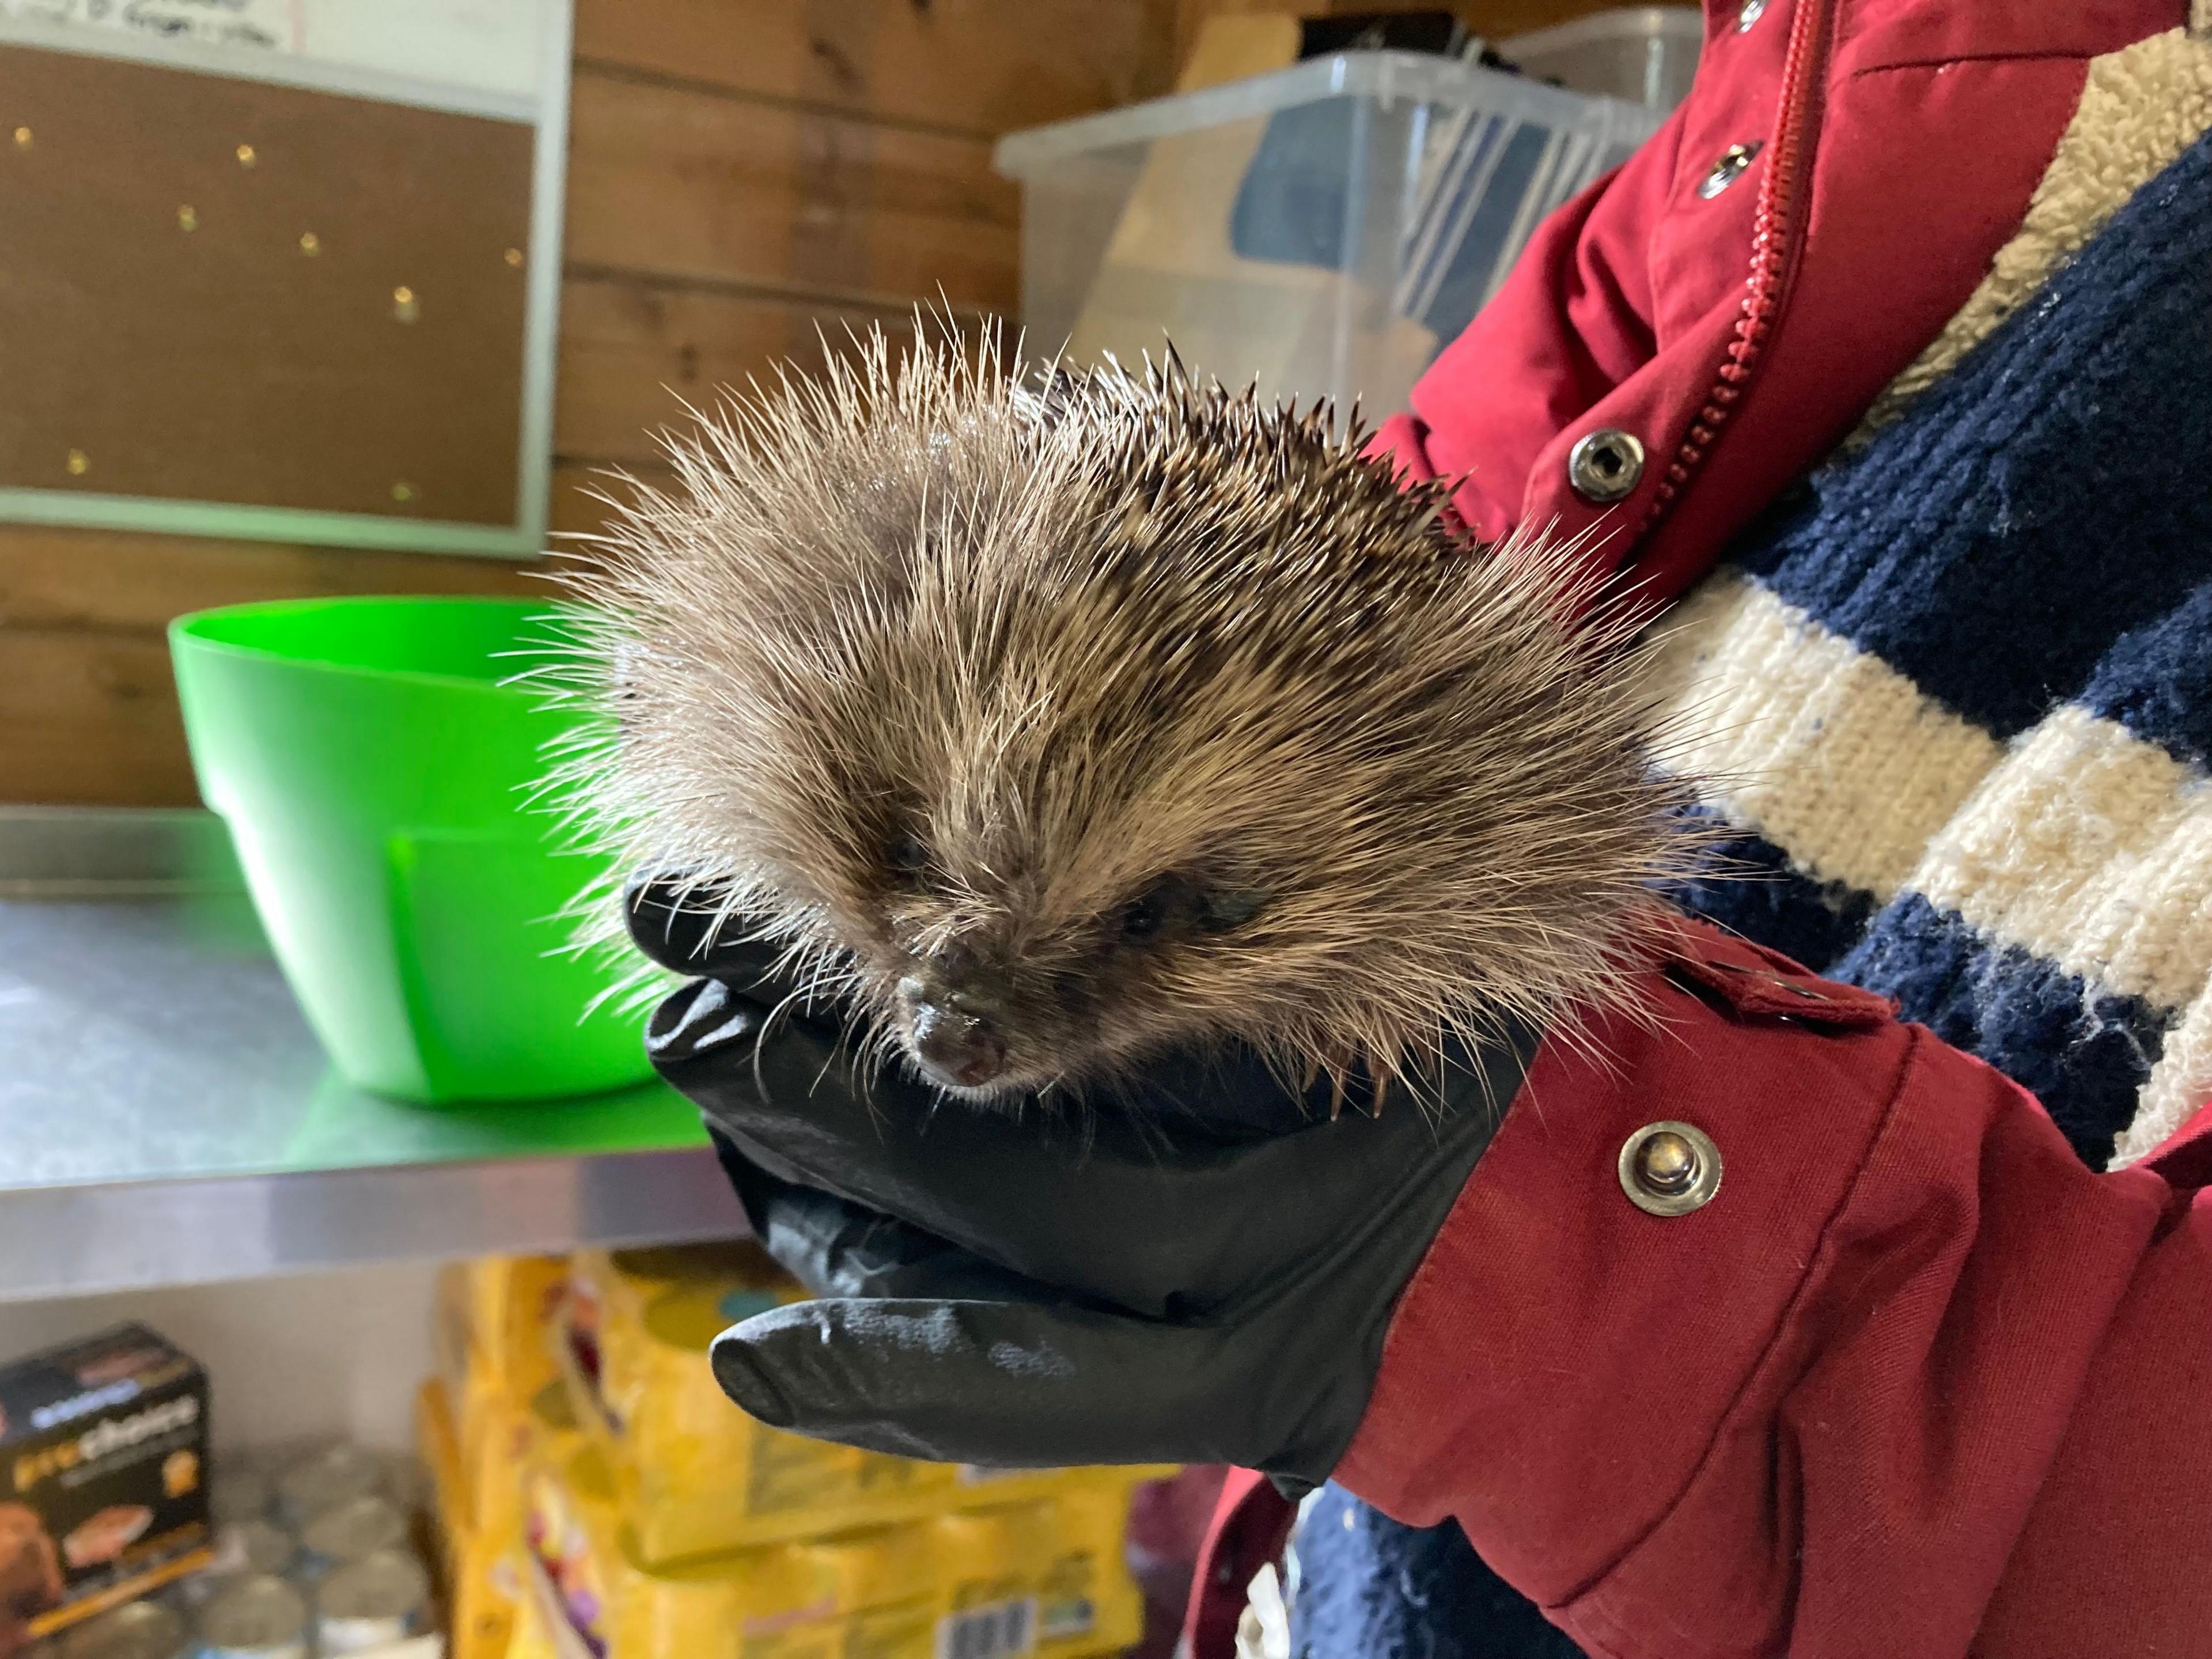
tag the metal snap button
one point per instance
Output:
(1604, 465)
(1670, 1169)
(1726, 171)
(1750, 14)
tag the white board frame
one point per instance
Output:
(547, 113)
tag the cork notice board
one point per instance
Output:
(241, 306)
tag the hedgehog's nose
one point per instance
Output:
(956, 1045)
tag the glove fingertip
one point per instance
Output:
(737, 1367)
(678, 923)
(657, 918)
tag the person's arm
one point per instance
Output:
(1914, 1373)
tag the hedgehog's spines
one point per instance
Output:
(824, 604)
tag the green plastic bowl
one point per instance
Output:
(373, 771)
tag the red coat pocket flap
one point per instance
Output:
(1765, 984)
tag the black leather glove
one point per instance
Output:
(1201, 1269)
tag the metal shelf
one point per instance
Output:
(166, 1117)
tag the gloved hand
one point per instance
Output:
(1199, 1269)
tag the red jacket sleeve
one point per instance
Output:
(1914, 1372)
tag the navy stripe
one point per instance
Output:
(1370, 1588)
(1754, 892)
(2045, 498)
(2157, 681)
(2085, 1060)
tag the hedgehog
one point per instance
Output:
(1045, 720)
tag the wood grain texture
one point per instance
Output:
(671, 181)
(95, 580)
(633, 353)
(86, 582)
(976, 66)
(1494, 20)
(90, 717)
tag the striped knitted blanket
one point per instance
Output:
(1955, 699)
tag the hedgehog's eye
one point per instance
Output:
(1178, 899)
(908, 855)
(1145, 918)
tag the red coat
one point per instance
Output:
(1916, 1381)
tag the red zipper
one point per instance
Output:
(1777, 245)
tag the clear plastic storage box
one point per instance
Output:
(1641, 54)
(1322, 230)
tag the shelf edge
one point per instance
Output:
(78, 1240)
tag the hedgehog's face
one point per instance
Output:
(1038, 871)
(1015, 912)
(1002, 980)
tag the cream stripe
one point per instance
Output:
(2093, 849)
(1796, 733)
(2179, 1085)
(2140, 108)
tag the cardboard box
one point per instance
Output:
(479, 1504)
(1044, 1576)
(103, 1474)
(497, 1317)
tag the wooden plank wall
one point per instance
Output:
(738, 171)
(1495, 20)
